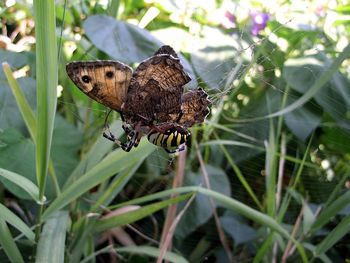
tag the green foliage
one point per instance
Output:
(274, 149)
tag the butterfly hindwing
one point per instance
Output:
(105, 81)
(195, 109)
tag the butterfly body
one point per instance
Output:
(151, 94)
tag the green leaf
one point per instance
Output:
(47, 70)
(221, 55)
(239, 230)
(143, 250)
(304, 120)
(16, 222)
(200, 210)
(320, 81)
(21, 182)
(8, 244)
(334, 236)
(120, 40)
(15, 59)
(95, 154)
(10, 115)
(329, 212)
(111, 165)
(124, 42)
(22, 103)
(51, 246)
(333, 96)
(133, 216)
(18, 155)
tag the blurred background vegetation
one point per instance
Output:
(275, 147)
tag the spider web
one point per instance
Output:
(244, 91)
(223, 76)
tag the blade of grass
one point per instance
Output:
(46, 72)
(143, 250)
(22, 103)
(27, 115)
(334, 236)
(329, 212)
(241, 177)
(22, 182)
(8, 243)
(132, 216)
(242, 144)
(11, 218)
(51, 245)
(111, 165)
(46, 68)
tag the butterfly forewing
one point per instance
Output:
(156, 87)
(104, 81)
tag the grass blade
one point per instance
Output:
(132, 216)
(22, 182)
(8, 243)
(333, 237)
(46, 68)
(111, 165)
(11, 218)
(22, 103)
(51, 245)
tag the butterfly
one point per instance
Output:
(150, 100)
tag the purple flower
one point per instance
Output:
(259, 22)
(229, 21)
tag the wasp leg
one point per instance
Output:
(138, 140)
(181, 109)
(181, 148)
(132, 135)
(124, 124)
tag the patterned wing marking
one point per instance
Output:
(105, 81)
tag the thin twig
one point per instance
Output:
(222, 236)
(295, 229)
(170, 216)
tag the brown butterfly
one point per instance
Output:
(152, 94)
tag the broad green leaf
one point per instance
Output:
(303, 120)
(124, 42)
(220, 56)
(10, 116)
(200, 210)
(18, 155)
(51, 246)
(239, 230)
